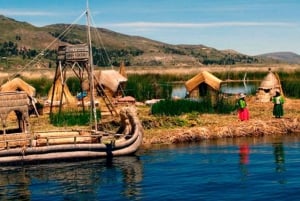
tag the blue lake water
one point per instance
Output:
(227, 169)
(228, 88)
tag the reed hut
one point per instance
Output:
(17, 102)
(17, 84)
(204, 84)
(111, 81)
(268, 86)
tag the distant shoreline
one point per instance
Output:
(49, 73)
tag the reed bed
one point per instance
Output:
(202, 126)
(72, 118)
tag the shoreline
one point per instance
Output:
(217, 126)
(276, 127)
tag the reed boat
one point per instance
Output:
(39, 146)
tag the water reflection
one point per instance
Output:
(244, 152)
(179, 91)
(238, 87)
(279, 160)
(69, 181)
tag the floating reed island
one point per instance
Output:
(216, 126)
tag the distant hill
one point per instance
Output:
(117, 47)
(286, 57)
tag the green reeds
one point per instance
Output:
(178, 107)
(41, 85)
(224, 106)
(183, 106)
(291, 88)
(72, 118)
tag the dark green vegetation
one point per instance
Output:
(20, 42)
(72, 118)
(290, 83)
(178, 107)
(183, 106)
(41, 85)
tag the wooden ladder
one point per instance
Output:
(105, 98)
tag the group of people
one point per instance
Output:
(243, 112)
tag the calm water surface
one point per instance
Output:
(228, 169)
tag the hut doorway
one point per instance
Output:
(14, 112)
(203, 90)
(13, 123)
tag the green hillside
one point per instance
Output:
(20, 42)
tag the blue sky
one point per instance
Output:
(248, 26)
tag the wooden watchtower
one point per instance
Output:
(72, 57)
(77, 59)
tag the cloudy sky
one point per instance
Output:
(251, 27)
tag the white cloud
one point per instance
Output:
(200, 25)
(26, 13)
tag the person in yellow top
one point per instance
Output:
(278, 102)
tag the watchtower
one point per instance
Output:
(77, 58)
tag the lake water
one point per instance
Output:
(227, 169)
(179, 90)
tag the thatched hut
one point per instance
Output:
(17, 102)
(60, 95)
(268, 86)
(203, 84)
(17, 84)
(111, 81)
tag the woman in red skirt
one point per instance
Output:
(243, 112)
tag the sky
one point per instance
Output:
(250, 27)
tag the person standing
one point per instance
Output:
(243, 112)
(278, 101)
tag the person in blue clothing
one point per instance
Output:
(278, 102)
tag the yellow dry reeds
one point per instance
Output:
(18, 84)
(67, 96)
(242, 129)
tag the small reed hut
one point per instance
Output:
(268, 86)
(204, 84)
(17, 102)
(111, 81)
(16, 85)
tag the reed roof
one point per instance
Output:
(270, 81)
(203, 77)
(110, 79)
(17, 84)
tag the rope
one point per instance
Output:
(42, 53)
(98, 36)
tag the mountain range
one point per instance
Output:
(118, 47)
